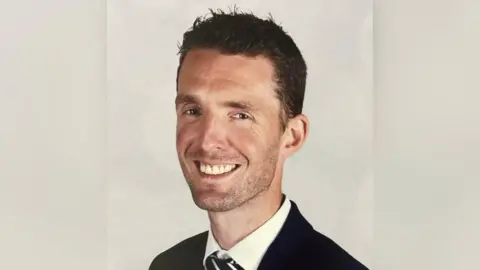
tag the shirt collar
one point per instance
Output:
(249, 252)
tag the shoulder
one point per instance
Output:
(323, 250)
(190, 251)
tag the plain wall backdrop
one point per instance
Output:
(427, 135)
(331, 178)
(52, 135)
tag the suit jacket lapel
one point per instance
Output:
(294, 233)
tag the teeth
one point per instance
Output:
(216, 169)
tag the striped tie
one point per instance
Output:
(215, 263)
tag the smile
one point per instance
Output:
(217, 169)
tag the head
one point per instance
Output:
(240, 90)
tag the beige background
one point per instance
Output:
(52, 135)
(427, 135)
(54, 183)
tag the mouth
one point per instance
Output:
(216, 170)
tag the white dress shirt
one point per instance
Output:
(249, 252)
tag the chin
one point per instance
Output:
(213, 201)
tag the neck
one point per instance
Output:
(231, 227)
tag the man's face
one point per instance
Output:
(228, 127)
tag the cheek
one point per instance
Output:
(248, 140)
(184, 136)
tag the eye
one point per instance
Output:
(241, 116)
(191, 112)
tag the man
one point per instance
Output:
(240, 90)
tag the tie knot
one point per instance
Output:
(216, 261)
(220, 256)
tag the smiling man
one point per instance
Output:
(240, 90)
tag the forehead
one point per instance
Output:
(212, 72)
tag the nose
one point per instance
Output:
(212, 134)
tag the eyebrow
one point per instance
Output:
(237, 104)
(240, 104)
(185, 99)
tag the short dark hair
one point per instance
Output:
(243, 33)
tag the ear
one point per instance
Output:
(295, 135)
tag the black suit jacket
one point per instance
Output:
(297, 247)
